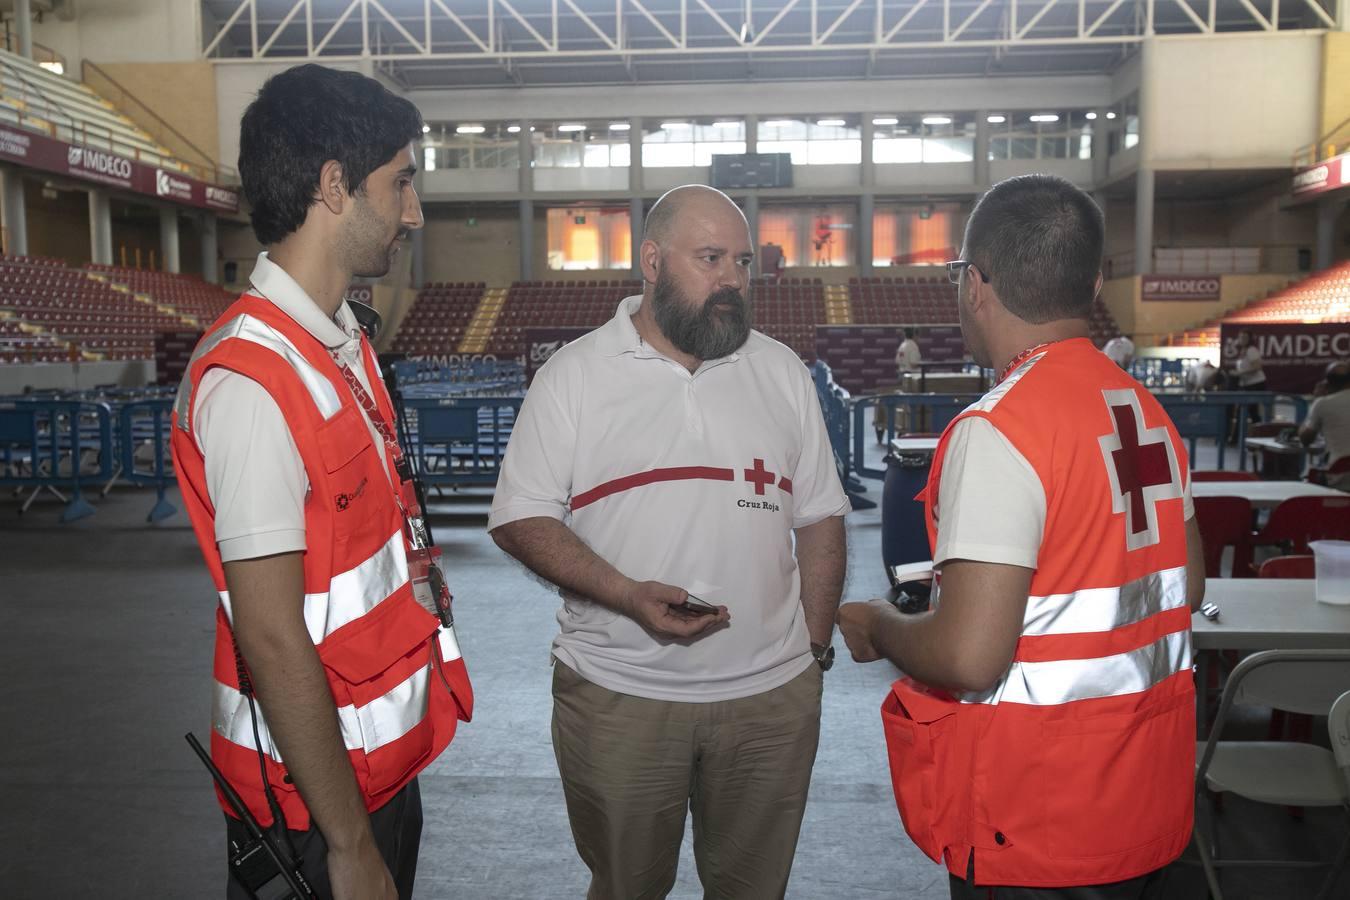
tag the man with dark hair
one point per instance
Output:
(1329, 416)
(660, 473)
(1042, 743)
(337, 673)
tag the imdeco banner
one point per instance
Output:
(1294, 355)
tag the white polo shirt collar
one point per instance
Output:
(275, 283)
(619, 336)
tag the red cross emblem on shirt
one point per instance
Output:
(1141, 465)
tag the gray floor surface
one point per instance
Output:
(107, 626)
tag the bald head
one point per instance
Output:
(682, 203)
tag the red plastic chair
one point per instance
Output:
(1339, 467)
(1299, 520)
(1222, 475)
(1287, 567)
(1225, 522)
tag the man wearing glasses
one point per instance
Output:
(1042, 743)
(659, 471)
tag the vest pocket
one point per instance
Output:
(1113, 783)
(920, 731)
(354, 476)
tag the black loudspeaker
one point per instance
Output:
(751, 170)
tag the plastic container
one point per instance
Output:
(1332, 564)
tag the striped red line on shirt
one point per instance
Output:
(641, 479)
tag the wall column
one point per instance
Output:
(1328, 212)
(867, 176)
(1143, 220)
(210, 264)
(866, 208)
(981, 153)
(14, 212)
(23, 24)
(752, 134)
(168, 240)
(526, 153)
(100, 227)
(636, 208)
(751, 210)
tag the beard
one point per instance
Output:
(710, 331)
(367, 244)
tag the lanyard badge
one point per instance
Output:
(424, 570)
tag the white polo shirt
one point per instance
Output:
(691, 480)
(254, 475)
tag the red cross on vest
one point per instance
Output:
(760, 477)
(1141, 466)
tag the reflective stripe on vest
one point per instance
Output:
(352, 593)
(254, 330)
(1105, 609)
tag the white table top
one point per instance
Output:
(1269, 614)
(1263, 494)
(914, 445)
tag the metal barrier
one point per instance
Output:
(929, 412)
(1208, 415)
(144, 428)
(834, 407)
(47, 445)
(459, 441)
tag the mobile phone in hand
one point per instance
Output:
(695, 607)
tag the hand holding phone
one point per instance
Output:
(696, 606)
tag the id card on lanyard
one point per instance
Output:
(424, 570)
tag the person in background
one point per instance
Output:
(670, 472)
(1120, 350)
(1248, 374)
(907, 359)
(1329, 416)
(1042, 744)
(1203, 376)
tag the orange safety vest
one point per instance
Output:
(1077, 767)
(399, 683)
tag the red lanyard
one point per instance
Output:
(1021, 358)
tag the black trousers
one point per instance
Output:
(1145, 887)
(398, 832)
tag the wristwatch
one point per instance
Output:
(824, 654)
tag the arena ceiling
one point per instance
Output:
(494, 43)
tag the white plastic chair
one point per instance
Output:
(1283, 773)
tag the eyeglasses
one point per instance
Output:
(954, 270)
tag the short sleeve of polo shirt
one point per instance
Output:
(536, 474)
(816, 491)
(254, 475)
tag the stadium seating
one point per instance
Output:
(555, 304)
(789, 310)
(439, 315)
(1323, 297)
(187, 295)
(34, 98)
(902, 301)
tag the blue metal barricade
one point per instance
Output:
(48, 445)
(459, 441)
(144, 427)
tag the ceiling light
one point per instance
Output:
(469, 129)
(619, 126)
(996, 120)
(780, 123)
(426, 129)
(670, 126)
(1045, 117)
(729, 124)
(1110, 115)
(1091, 117)
(886, 120)
(831, 123)
(514, 129)
(937, 120)
(571, 127)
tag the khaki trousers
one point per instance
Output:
(631, 767)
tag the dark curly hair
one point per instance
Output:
(304, 117)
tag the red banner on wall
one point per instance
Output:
(1294, 355)
(1327, 175)
(1180, 287)
(49, 154)
(542, 343)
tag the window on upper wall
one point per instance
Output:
(914, 234)
(586, 237)
(575, 145)
(470, 145)
(821, 235)
(1042, 134)
(931, 138)
(691, 142)
(815, 141)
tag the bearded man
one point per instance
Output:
(658, 473)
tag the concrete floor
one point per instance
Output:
(107, 632)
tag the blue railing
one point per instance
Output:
(144, 427)
(459, 441)
(55, 446)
